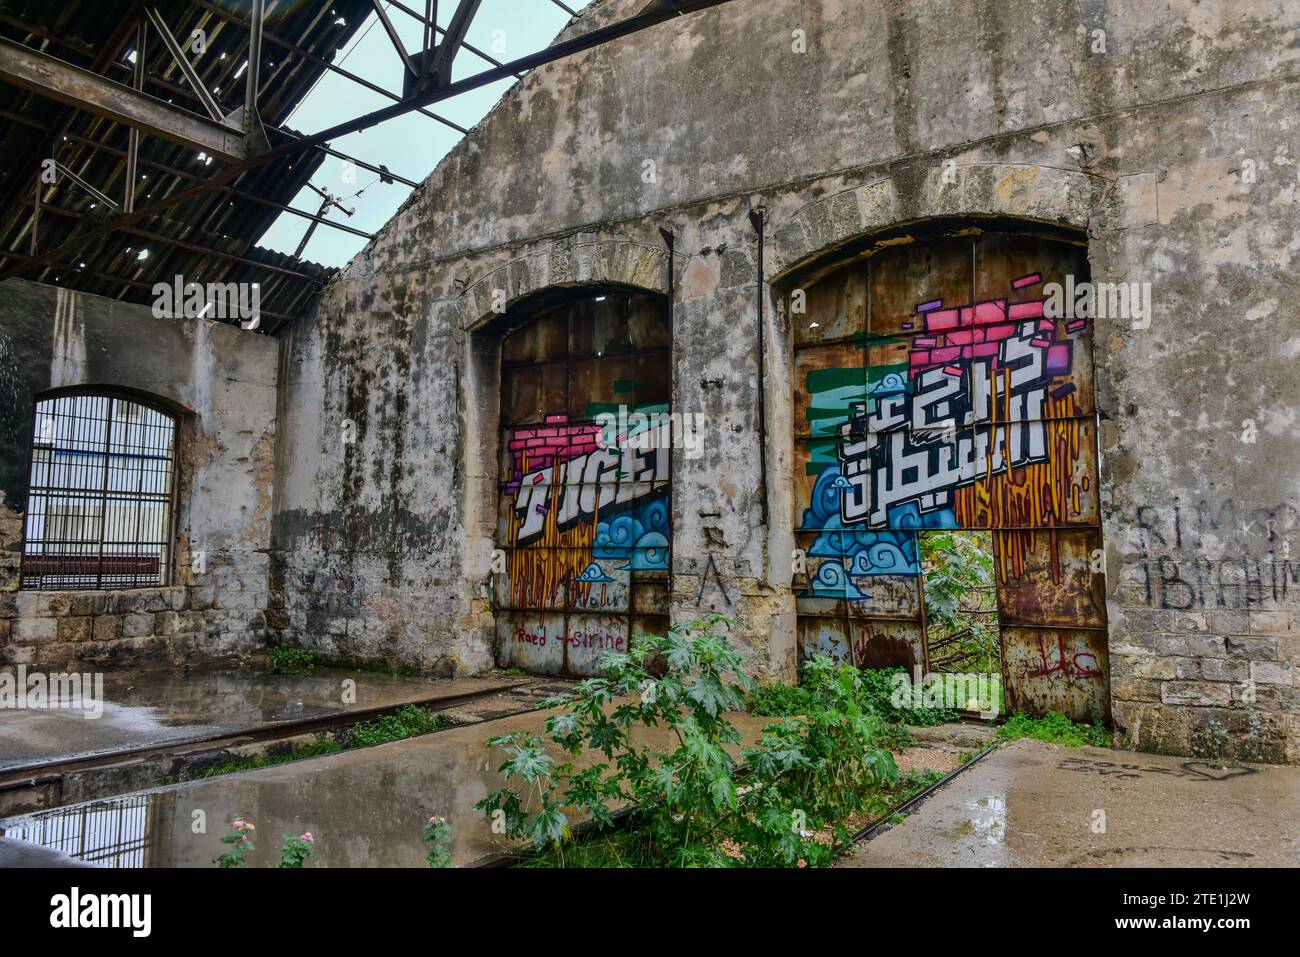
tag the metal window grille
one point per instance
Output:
(99, 512)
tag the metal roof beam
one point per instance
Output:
(438, 66)
(163, 240)
(394, 38)
(228, 190)
(333, 68)
(656, 12)
(187, 69)
(66, 83)
(431, 26)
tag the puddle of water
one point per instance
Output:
(365, 808)
(143, 709)
(987, 822)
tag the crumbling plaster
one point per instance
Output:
(1134, 122)
(221, 384)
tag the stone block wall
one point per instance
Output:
(222, 382)
(1163, 133)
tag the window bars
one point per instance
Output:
(99, 506)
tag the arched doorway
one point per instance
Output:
(935, 389)
(585, 469)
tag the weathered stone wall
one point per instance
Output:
(1166, 131)
(222, 380)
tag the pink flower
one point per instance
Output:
(308, 838)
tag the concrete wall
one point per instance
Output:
(223, 380)
(1166, 131)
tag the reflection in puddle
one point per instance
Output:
(143, 709)
(366, 808)
(109, 833)
(988, 820)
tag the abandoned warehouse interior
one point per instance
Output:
(636, 352)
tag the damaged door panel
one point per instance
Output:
(584, 497)
(937, 388)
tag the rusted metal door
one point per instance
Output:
(585, 478)
(933, 390)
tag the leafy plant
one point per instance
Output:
(812, 771)
(959, 563)
(684, 682)
(1055, 728)
(240, 841)
(1252, 748)
(438, 833)
(878, 689)
(1210, 741)
(297, 850)
(291, 660)
(689, 803)
(779, 700)
(960, 600)
(406, 722)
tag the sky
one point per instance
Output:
(410, 145)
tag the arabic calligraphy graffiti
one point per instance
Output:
(980, 429)
(936, 390)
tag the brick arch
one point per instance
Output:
(573, 261)
(1028, 192)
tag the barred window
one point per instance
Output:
(99, 504)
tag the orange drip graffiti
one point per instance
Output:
(1024, 503)
(537, 570)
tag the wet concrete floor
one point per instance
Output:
(143, 709)
(364, 808)
(1031, 804)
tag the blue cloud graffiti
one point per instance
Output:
(861, 552)
(595, 575)
(637, 536)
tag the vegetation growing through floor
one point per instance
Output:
(632, 847)
(286, 660)
(374, 667)
(702, 798)
(1057, 728)
(296, 851)
(1212, 742)
(877, 691)
(407, 721)
(250, 762)
(437, 834)
(293, 853)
